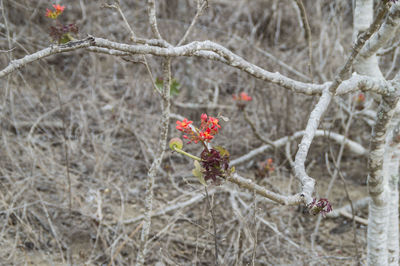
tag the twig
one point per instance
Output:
(255, 227)
(118, 250)
(351, 145)
(198, 13)
(151, 10)
(134, 39)
(307, 33)
(353, 213)
(65, 144)
(255, 131)
(214, 225)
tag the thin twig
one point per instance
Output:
(214, 225)
(358, 255)
(255, 227)
(198, 13)
(307, 33)
(118, 250)
(255, 131)
(65, 144)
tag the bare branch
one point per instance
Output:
(54, 49)
(385, 33)
(307, 33)
(312, 126)
(351, 145)
(252, 186)
(198, 13)
(365, 83)
(205, 49)
(151, 9)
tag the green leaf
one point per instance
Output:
(233, 169)
(174, 89)
(65, 38)
(198, 172)
(159, 83)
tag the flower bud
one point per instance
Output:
(176, 143)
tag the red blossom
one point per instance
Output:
(245, 97)
(203, 117)
(184, 125)
(59, 8)
(54, 14)
(359, 100)
(242, 99)
(205, 133)
(214, 123)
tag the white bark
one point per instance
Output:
(363, 17)
(391, 170)
(378, 186)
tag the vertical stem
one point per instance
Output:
(214, 225)
(156, 163)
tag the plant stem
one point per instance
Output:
(186, 154)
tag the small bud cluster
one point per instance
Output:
(265, 168)
(242, 99)
(322, 206)
(60, 33)
(359, 101)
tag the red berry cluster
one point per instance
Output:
(205, 133)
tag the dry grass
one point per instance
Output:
(111, 116)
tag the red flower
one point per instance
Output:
(54, 14)
(184, 125)
(245, 97)
(360, 98)
(205, 133)
(359, 101)
(214, 122)
(59, 9)
(242, 97)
